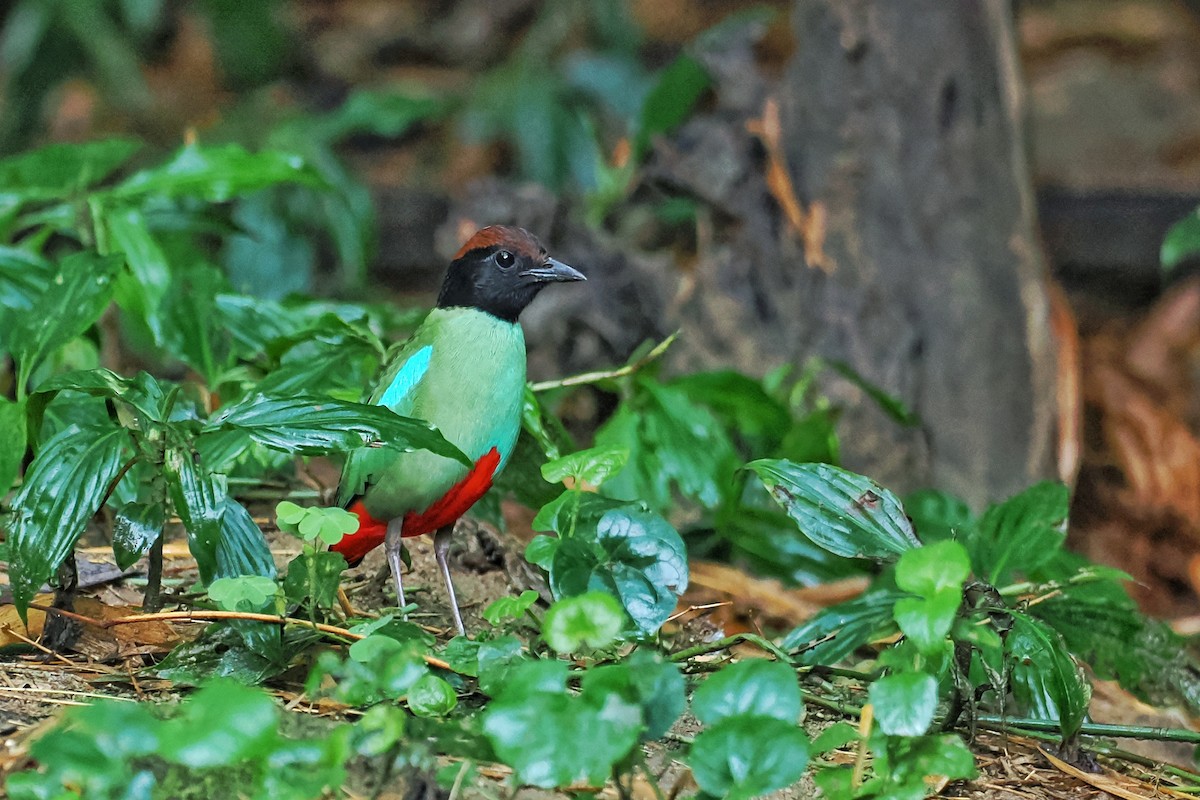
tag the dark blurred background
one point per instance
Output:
(963, 204)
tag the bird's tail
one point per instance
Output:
(370, 534)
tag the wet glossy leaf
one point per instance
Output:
(588, 621)
(747, 756)
(839, 630)
(749, 688)
(136, 527)
(74, 299)
(847, 514)
(198, 496)
(628, 552)
(905, 703)
(64, 487)
(242, 548)
(1045, 679)
(320, 425)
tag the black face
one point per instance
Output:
(500, 271)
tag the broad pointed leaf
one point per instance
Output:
(64, 487)
(847, 514)
(317, 425)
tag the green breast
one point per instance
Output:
(464, 371)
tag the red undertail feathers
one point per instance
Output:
(445, 511)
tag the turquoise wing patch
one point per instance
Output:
(406, 379)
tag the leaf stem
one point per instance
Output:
(730, 641)
(1095, 729)
(587, 378)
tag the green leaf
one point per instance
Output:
(505, 608)
(891, 405)
(58, 171)
(379, 730)
(628, 552)
(1181, 242)
(314, 577)
(75, 298)
(141, 290)
(847, 514)
(669, 100)
(12, 442)
(933, 569)
(672, 443)
(937, 515)
(586, 466)
(386, 113)
(431, 697)
(927, 620)
(588, 621)
(495, 662)
(839, 630)
(241, 549)
(319, 425)
(646, 680)
(64, 487)
(251, 593)
(198, 496)
(541, 549)
(905, 703)
(24, 276)
(1022, 533)
(215, 174)
(741, 404)
(224, 723)
(1045, 679)
(746, 756)
(749, 688)
(552, 737)
(136, 527)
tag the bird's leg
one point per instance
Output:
(441, 547)
(393, 546)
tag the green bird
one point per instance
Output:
(463, 370)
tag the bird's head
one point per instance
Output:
(500, 270)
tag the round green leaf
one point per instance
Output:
(224, 723)
(756, 687)
(905, 703)
(747, 756)
(552, 737)
(927, 621)
(506, 608)
(244, 593)
(591, 621)
(847, 514)
(289, 514)
(628, 552)
(431, 697)
(378, 730)
(590, 466)
(933, 568)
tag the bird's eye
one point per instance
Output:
(505, 259)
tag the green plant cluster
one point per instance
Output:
(967, 617)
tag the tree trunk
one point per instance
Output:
(905, 121)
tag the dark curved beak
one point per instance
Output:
(554, 272)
